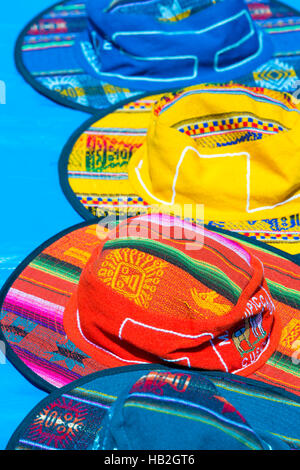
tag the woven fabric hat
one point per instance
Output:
(233, 149)
(151, 408)
(164, 292)
(95, 54)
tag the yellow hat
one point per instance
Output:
(231, 148)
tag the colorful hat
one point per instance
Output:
(155, 289)
(151, 407)
(95, 54)
(233, 149)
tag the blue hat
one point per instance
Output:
(156, 408)
(165, 44)
(96, 54)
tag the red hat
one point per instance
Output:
(154, 290)
(155, 298)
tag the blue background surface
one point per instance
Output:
(33, 131)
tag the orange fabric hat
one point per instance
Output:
(153, 297)
(79, 304)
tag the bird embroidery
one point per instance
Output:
(207, 301)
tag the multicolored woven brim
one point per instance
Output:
(94, 165)
(46, 56)
(151, 407)
(34, 299)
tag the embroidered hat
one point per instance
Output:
(153, 290)
(233, 149)
(147, 408)
(95, 54)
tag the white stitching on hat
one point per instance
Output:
(176, 333)
(243, 12)
(161, 330)
(257, 358)
(248, 176)
(137, 170)
(103, 349)
(185, 358)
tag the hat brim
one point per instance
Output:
(88, 399)
(34, 299)
(66, 83)
(95, 176)
(49, 63)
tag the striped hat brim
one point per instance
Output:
(63, 80)
(70, 418)
(47, 57)
(34, 299)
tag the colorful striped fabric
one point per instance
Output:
(34, 300)
(47, 53)
(144, 408)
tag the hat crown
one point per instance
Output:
(154, 45)
(151, 414)
(152, 300)
(231, 137)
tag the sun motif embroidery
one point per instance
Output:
(58, 425)
(133, 274)
(67, 86)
